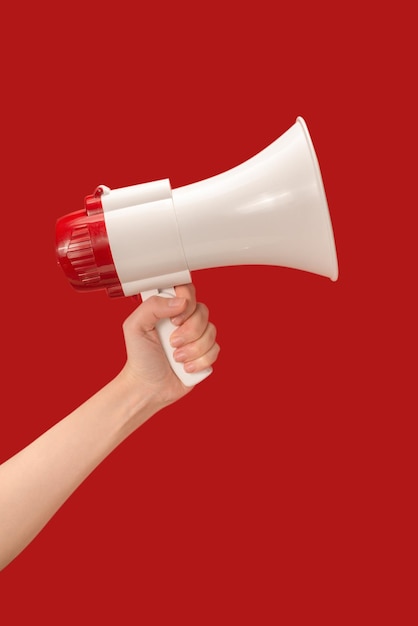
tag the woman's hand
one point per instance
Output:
(194, 344)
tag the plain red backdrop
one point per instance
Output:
(281, 490)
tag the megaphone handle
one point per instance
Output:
(164, 329)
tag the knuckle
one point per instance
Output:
(203, 310)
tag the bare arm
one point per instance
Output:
(36, 481)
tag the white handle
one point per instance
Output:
(164, 329)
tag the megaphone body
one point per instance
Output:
(147, 238)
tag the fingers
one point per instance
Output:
(188, 292)
(146, 316)
(194, 338)
(192, 327)
(155, 308)
(200, 353)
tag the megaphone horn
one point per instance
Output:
(147, 238)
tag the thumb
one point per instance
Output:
(146, 316)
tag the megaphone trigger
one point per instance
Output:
(164, 329)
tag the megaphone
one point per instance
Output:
(147, 238)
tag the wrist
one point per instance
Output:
(133, 404)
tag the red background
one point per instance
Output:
(281, 491)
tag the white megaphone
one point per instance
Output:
(147, 238)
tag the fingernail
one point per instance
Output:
(176, 341)
(179, 355)
(177, 320)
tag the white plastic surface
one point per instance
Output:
(143, 236)
(164, 329)
(270, 210)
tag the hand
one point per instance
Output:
(194, 344)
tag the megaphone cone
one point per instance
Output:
(270, 210)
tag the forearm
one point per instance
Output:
(37, 480)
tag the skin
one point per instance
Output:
(36, 481)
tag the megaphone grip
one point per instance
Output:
(164, 329)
